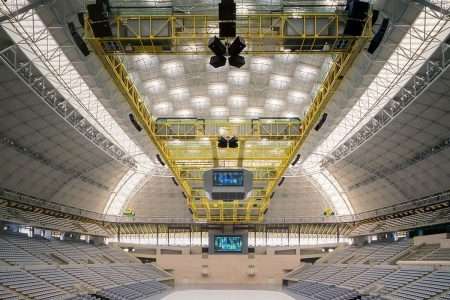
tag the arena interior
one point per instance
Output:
(225, 149)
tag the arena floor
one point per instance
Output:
(227, 295)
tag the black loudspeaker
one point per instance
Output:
(134, 122)
(281, 181)
(174, 181)
(78, 39)
(98, 14)
(80, 16)
(357, 12)
(375, 14)
(222, 142)
(321, 122)
(160, 160)
(233, 142)
(217, 61)
(227, 10)
(265, 211)
(297, 158)
(236, 61)
(190, 210)
(184, 195)
(271, 196)
(227, 29)
(378, 37)
(357, 9)
(216, 46)
(101, 28)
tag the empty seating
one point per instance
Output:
(401, 278)
(30, 286)
(427, 287)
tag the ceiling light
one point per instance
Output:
(274, 104)
(219, 111)
(155, 86)
(237, 101)
(184, 113)
(260, 64)
(200, 102)
(297, 97)
(239, 77)
(173, 68)
(254, 112)
(163, 108)
(279, 82)
(217, 89)
(179, 94)
(306, 72)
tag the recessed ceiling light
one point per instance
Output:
(163, 108)
(298, 97)
(279, 81)
(184, 113)
(155, 86)
(219, 111)
(274, 104)
(239, 77)
(261, 64)
(254, 112)
(237, 101)
(200, 102)
(306, 72)
(172, 68)
(217, 89)
(179, 94)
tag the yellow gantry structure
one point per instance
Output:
(267, 145)
(264, 34)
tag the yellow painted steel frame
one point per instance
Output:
(312, 32)
(188, 170)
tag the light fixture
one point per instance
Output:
(220, 50)
(216, 46)
(217, 61)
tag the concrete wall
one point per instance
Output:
(431, 239)
(228, 269)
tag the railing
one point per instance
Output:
(34, 201)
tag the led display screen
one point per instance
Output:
(228, 243)
(228, 178)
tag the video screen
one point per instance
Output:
(228, 178)
(227, 243)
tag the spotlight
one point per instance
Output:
(217, 61)
(236, 61)
(217, 46)
(222, 143)
(236, 46)
(233, 142)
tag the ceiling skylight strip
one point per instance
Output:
(37, 42)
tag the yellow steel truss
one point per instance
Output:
(264, 33)
(266, 146)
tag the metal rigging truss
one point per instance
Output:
(264, 33)
(266, 146)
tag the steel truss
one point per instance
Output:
(425, 36)
(188, 146)
(17, 62)
(418, 84)
(320, 33)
